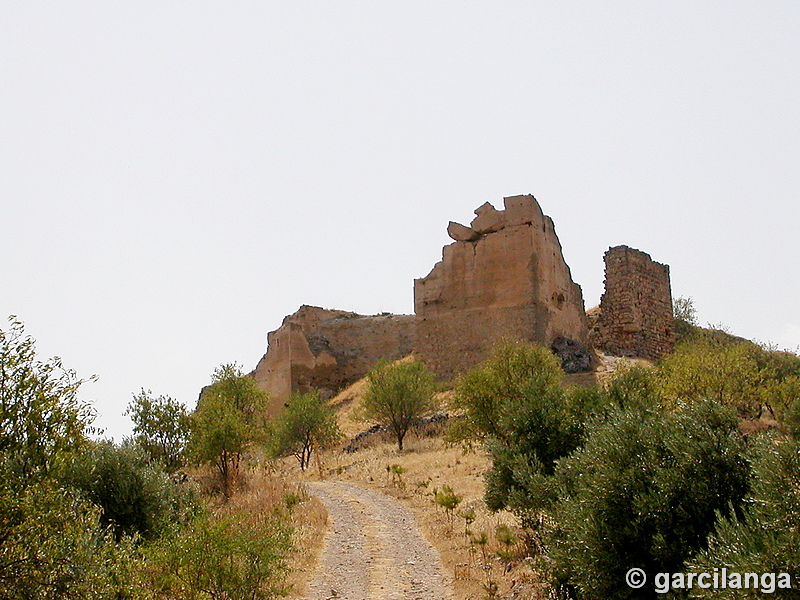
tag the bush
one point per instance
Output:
(702, 370)
(643, 492)
(487, 394)
(767, 538)
(515, 403)
(731, 371)
(237, 556)
(135, 497)
(53, 547)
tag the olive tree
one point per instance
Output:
(306, 424)
(398, 394)
(644, 491)
(227, 421)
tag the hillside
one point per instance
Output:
(485, 553)
(425, 467)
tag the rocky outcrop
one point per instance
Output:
(635, 314)
(509, 279)
(327, 350)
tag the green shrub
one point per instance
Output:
(731, 371)
(53, 547)
(135, 496)
(237, 556)
(448, 500)
(514, 402)
(643, 492)
(727, 373)
(766, 539)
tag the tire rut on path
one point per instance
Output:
(373, 550)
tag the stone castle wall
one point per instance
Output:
(635, 316)
(504, 276)
(327, 350)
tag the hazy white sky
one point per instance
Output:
(176, 177)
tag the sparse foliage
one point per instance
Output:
(227, 421)
(160, 428)
(396, 471)
(398, 394)
(684, 310)
(449, 501)
(469, 519)
(306, 424)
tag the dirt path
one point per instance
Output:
(373, 550)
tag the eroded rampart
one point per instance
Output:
(327, 350)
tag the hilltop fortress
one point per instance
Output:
(504, 276)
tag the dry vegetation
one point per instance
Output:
(467, 538)
(276, 487)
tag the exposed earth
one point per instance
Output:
(373, 550)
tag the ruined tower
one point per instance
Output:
(503, 276)
(635, 317)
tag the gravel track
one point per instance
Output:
(373, 550)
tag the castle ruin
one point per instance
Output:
(327, 350)
(504, 276)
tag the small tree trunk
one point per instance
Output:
(224, 472)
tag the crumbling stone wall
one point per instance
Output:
(504, 276)
(635, 316)
(327, 350)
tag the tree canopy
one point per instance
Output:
(398, 394)
(160, 428)
(227, 421)
(41, 417)
(305, 425)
